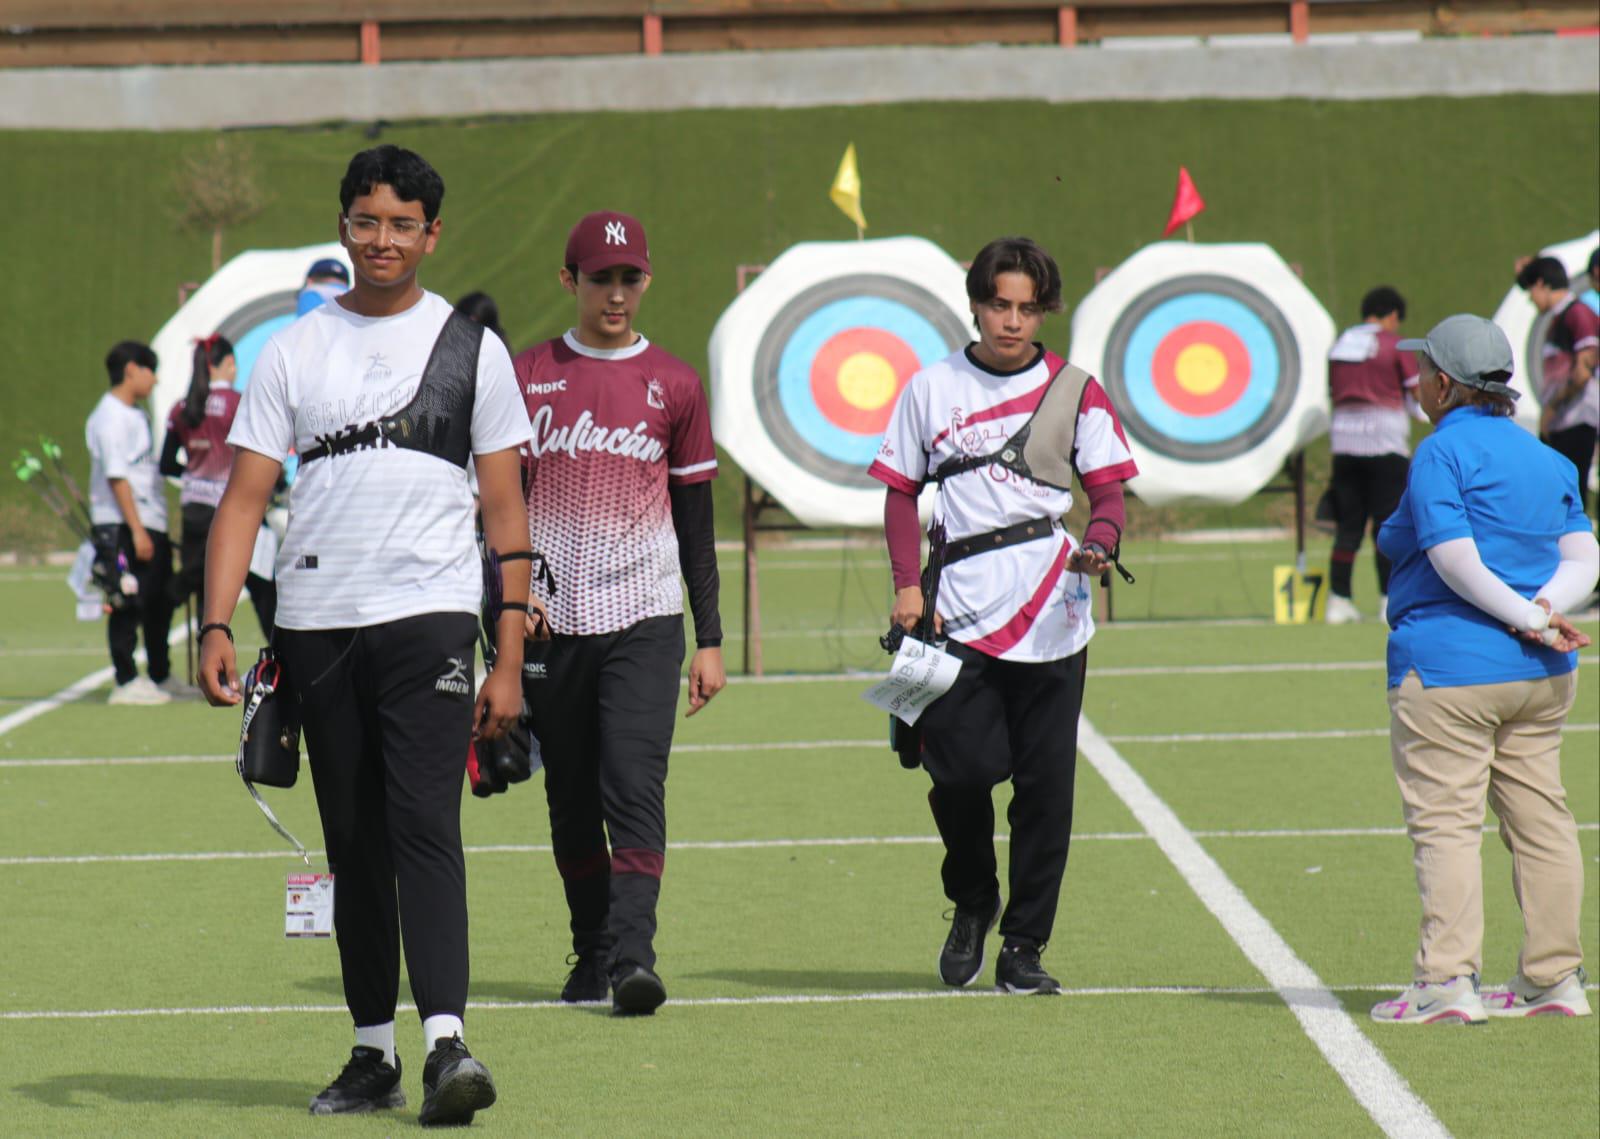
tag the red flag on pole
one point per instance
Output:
(1185, 204)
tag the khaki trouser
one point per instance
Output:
(1449, 746)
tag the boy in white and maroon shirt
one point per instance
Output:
(619, 500)
(1569, 392)
(1017, 614)
(1370, 382)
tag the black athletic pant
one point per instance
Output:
(1577, 444)
(1366, 488)
(603, 710)
(1003, 720)
(191, 576)
(387, 713)
(150, 611)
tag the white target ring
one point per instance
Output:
(1215, 357)
(1526, 327)
(807, 362)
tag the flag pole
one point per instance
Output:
(861, 234)
(1189, 226)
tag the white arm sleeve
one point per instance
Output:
(1575, 577)
(1458, 563)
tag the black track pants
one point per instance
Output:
(387, 712)
(191, 576)
(150, 613)
(1366, 489)
(1006, 720)
(603, 710)
(1577, 444)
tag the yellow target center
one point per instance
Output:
(1201, 369)
(867, 380)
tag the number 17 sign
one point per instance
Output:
(1297, 597)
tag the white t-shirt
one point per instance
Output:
(1019, 602)
(383, 533)
(122, 447)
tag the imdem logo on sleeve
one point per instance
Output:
(455, 678)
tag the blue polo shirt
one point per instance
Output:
(1478, 476)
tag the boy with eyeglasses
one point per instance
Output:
(619, 503)
(387, 397)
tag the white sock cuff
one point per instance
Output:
(440, 1026)
(378, 1036)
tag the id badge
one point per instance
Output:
(308, 906)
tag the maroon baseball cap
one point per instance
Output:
(601, 240)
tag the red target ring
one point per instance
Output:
(856, 376)
(1201, 368)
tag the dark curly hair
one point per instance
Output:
(405, 172)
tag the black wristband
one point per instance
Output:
(517, 605)
(204, 629)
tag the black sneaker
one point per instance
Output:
(588, 981)
(961, 959)
(454, 1085)
(1018, 971)
(635, 990)
(366, 1084)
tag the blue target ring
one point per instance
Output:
(829, 365)
(796, 361)
(1201, 368)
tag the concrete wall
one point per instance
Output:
(184, 98)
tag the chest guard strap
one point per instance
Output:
(438, 420)
(1041, 449)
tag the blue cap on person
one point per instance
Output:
(607, 238)
(1468, 349)
(328, 269)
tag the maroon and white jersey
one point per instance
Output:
(1573, 328)
(205, 445)
(1368, 380)
(1019, 602)
(611, 431)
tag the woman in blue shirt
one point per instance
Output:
(1490, 545)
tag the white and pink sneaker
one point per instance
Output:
(1521, 997)
(1454, 1001)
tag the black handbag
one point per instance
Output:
(269, 740)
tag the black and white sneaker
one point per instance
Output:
(588, 982)
(454, 1085)
(635, 990)
(961, 959)
(366, 1084)
(1018, 971)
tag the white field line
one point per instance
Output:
(725, 844)
(77, 689)
(1381, 1090)
(692, 1002)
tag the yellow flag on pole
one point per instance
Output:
(846, 188)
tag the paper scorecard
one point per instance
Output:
(920, 674)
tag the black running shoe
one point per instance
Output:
(366, 1084)
(635, 990)
(588, 981)
(454, 1085)
(961, 960)
(1018, 971)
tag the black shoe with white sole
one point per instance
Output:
(635, 990)
(366, 1084)
(454, 1085)
(588, 982)
(1018, 971)
(961, 960)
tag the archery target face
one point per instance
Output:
(808, 363)
(1201, 367)
(1526, 327)
(1215, 357)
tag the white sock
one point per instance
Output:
(441, 1026)
(378, 1036)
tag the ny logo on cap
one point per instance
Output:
(616, 234)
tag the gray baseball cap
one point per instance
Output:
(1467, 349)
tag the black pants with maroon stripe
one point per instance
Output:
(1015, 720)
(603, 710)
(387, 713)
(1366, 489)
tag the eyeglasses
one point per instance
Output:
(403, 232)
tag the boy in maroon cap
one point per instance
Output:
(619, 499)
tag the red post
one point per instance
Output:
(652, 33)
(1299, 20)
(1067, 26)
(371, 49)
